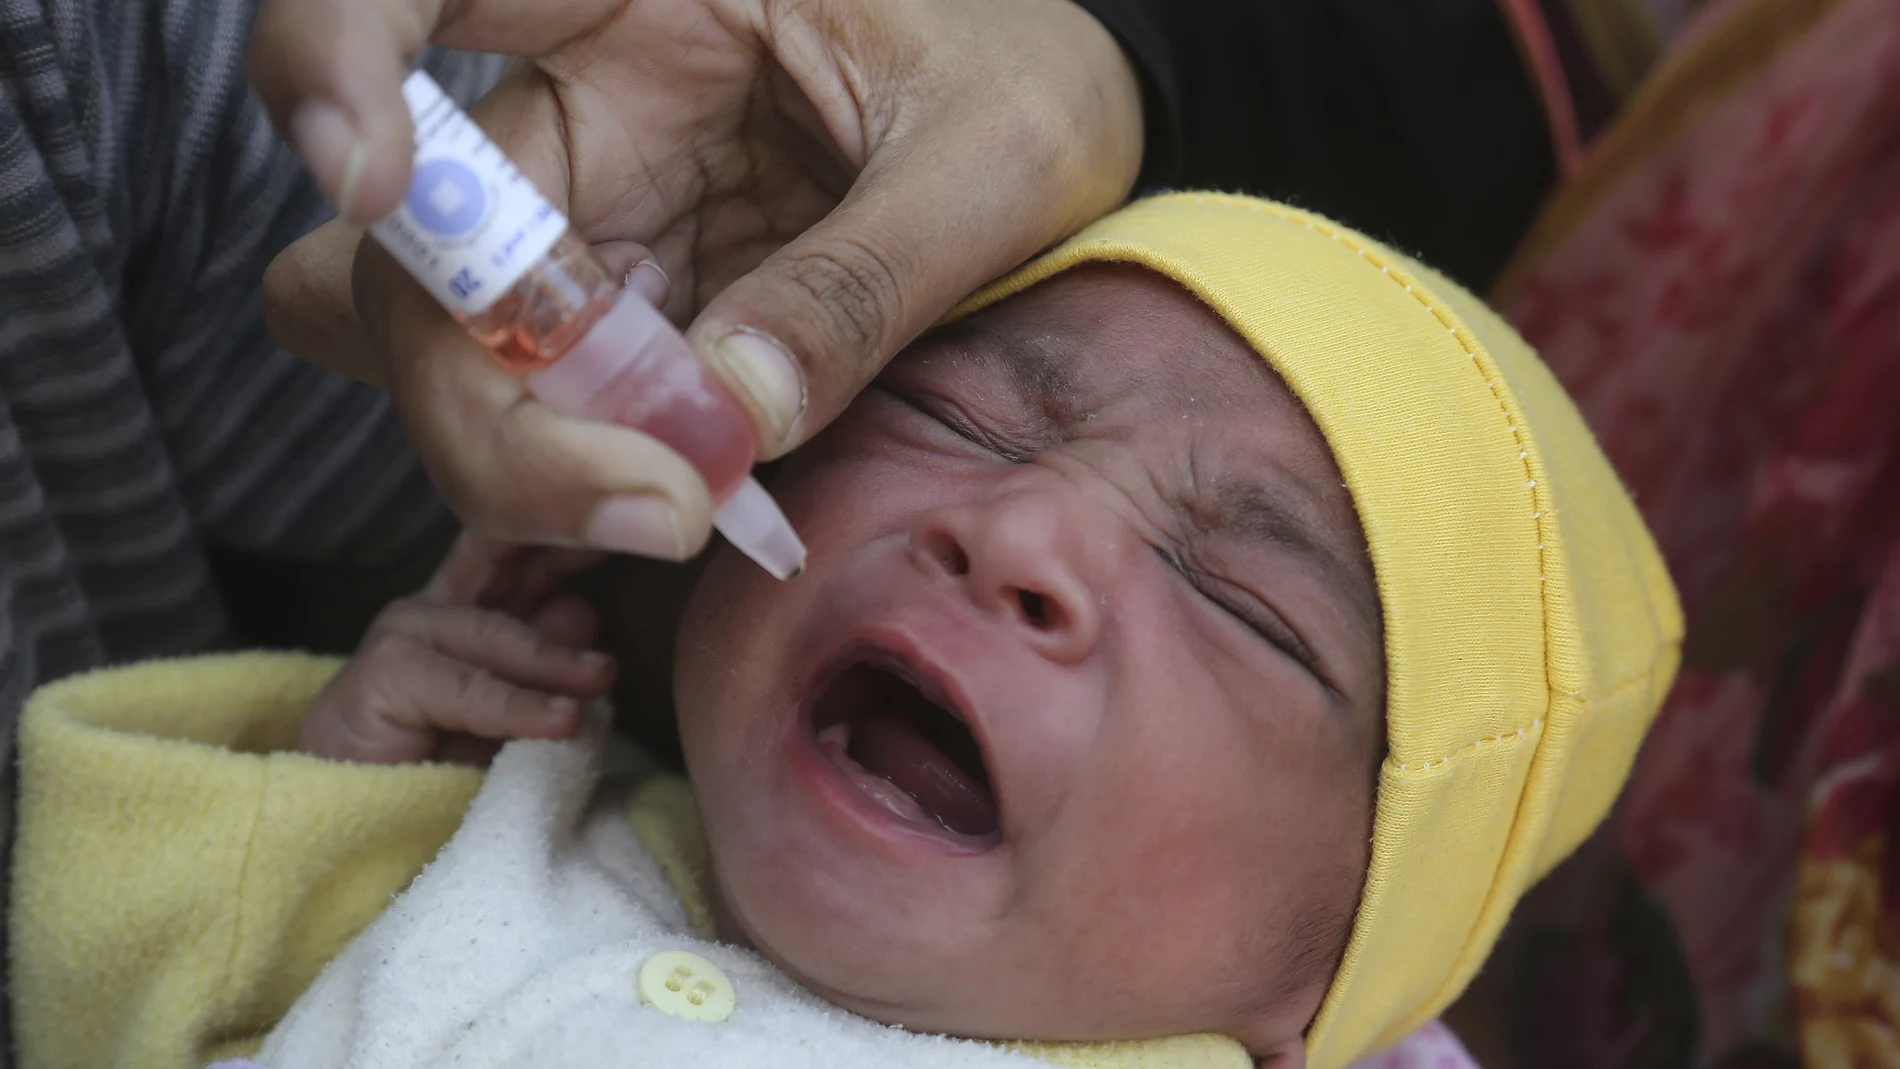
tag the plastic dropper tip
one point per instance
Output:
(751, 520)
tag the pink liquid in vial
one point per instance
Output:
(553, 307)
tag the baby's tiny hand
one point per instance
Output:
(489, 652)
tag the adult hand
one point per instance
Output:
(821, 180)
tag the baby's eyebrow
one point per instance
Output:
(1258, 512)
(1248, 509)
(1041, 364)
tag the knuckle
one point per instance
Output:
(521, 704)
(487, 501)
(478, 511)
(1038, 138)
(473, 689)
(486, 466)
(285, 288)
(856, 283)
(523, 496)
(498, 633)
(485, 627)
(387, 647)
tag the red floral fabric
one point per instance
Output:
(1720, 289)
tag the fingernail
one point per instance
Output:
(563, 707)
(595, 659)
(642, 525)
(772, 381)
(649, 280)
(330, 146)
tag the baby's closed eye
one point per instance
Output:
(1248, 610)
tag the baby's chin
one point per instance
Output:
(832, 970)
(891, 946)
(903, 1002)
(1008, 1013)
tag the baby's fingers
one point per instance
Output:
(448, 695)
(570, 620)
(400, 697)
(511, 649)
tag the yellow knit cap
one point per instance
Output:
(1531, 630)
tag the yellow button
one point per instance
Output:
(686, 986)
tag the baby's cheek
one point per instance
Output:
(1175, 899)
(1150, 939)
(725, 627)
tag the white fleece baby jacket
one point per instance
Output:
(180, 878)
(518, 948)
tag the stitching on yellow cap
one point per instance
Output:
(1449, 321)
(1612, 693)
(1503, 737)
(1646, 678)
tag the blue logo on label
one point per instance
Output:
(446, 197)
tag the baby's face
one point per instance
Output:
(1068, 729)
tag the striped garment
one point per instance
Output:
(157, 450)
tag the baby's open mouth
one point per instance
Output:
(897, 737)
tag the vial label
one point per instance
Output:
(471, 224)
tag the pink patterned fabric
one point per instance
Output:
(1725, 305)
(1431, 1047)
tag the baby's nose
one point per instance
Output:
(1022, 559)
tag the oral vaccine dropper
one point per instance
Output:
(505, 263)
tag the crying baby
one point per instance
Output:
(1208, 635)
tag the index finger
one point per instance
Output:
(330, 73)
(512, 467)
(309, 308)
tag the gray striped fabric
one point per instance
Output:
(147, 423)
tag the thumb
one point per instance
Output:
(801, 334)
(330, 73)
